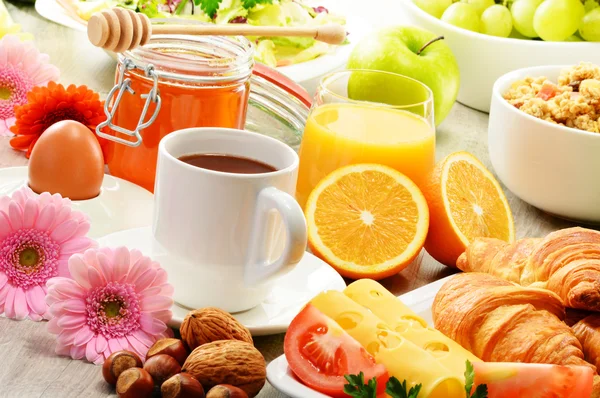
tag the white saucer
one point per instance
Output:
(290, 293)
(120, 205)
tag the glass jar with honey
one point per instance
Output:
(172, 83)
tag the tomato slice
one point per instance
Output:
(320, 353)
(534, 380)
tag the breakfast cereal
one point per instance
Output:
(573, 102)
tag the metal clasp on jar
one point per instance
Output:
(124, 85)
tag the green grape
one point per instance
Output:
(590, 5)
(462, 15)
(574, 38)
(433, 7)
(496, 21)
(590, 26)
(522, 15)
(556, 20)
(480, 5)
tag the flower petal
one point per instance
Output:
(84, 335)
(77, 352)
(71, 321)
(143, 337)
(76, 306)
(121, 264)
(144, 280)
(101, 343)
(3, 279)
(138, 268)
(79, 271)
(15, 215)
(164, 315)
(45, 218)
(90, 352)
(64, 231)
(36, 299)
(105, 265)
(5, 227)
(30, 213)
(140, 348)
(21, 309)
(114, 345)
(53, 326)
(151, 325)
(95, 278)
(63, 350)
(156, 303)
(77, 245)
(9, 307)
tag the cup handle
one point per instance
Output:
(257, 267)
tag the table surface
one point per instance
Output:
(30, 367)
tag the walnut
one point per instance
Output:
(211, 324)
(228, 362)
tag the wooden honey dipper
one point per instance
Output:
(119, 29)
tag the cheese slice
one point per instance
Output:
(409, 325)
(403, 359)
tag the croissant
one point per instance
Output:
(499, 321)
(567, 262)
(587, 331)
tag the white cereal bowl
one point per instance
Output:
(552, 167)
(482, 59)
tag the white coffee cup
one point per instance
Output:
(228, 235)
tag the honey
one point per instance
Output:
(199, 81)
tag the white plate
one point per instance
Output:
(307, 74)
(120, 205)
(290, 293)
(281, 377)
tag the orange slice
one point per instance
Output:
(367, 221)
(465, 202)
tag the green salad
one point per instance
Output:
(272, 51)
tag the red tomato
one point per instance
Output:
(508, 380)
(320, 353)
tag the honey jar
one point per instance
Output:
(172, 83)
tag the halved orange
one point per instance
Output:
(465, 202)
(367, 221)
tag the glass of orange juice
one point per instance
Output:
(364, 116)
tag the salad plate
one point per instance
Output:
(107, 212)
(281, 377)
(307, 73)
(289, 294)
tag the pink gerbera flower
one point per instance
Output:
(117, 300)
(22, 68)
(38, 234)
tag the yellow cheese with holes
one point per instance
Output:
(402, 358)
(406, 323)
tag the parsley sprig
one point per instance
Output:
(210, 7)
(357, 388)
(481, 390)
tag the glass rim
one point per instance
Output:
(322, 88)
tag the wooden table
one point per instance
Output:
(29, 367)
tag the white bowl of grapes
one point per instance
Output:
(493, 37)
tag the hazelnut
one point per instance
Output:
(162, 367)
(134, 383)
(182, 385)
(226, 391)
(171, 347)
(117, 363)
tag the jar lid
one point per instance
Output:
(277, 106)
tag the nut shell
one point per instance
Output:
(182, 385)
(226, 391)
(117, 363)
(210, 324)
(228, 362)
(171, 347)
(162, 367)
(134, 383)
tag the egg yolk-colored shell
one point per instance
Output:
(67, 159)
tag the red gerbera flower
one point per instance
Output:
(48, 105)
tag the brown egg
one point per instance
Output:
(67, 159)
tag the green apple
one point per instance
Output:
(397, 50)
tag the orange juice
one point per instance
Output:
(339, 134)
